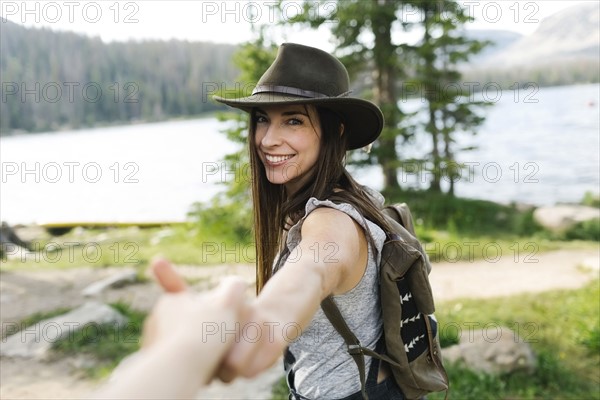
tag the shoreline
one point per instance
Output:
(101, 223)
(107, 125)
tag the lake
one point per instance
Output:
(538, 148)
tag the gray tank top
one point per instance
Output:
(323, 369)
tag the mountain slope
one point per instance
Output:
(499, 41)
(572, 34)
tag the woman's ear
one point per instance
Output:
(341, 129)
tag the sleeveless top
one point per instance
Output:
(322, 367)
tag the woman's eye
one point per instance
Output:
(295, 121)
(260, 119)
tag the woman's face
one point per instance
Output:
(288, 141)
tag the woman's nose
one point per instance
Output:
(272, 136)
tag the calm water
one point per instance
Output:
(537, 153)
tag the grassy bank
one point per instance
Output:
(133, 247)
(451, 229)
(128, 247)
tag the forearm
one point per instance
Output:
(281, 312)
(163, 371)
(292, 296)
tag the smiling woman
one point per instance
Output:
(318, 232)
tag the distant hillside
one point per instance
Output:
(571, 34)
(564, 49)
(53, 80)
(499, 41)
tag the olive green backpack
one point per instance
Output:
(410, 330)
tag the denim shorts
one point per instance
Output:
(385, 390)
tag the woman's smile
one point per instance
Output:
(288, 139)
(276, 160)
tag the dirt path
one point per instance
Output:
(27, 292)
(528, 273)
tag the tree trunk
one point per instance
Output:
(435, 152)
(430, 93)
(385, 89)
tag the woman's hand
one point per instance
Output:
(259, 343)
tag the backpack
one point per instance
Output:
(409, 328)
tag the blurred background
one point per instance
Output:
(112, 151)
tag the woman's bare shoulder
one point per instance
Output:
(330, 224)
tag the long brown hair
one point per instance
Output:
(274, 210)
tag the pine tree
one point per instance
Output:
(363, 41)
(367, 37)
(451, 107)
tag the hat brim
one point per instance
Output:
(363, 120)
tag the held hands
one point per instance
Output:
(187, 315)
(245, 347)
(176, 358)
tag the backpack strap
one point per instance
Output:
(333, 314)
(355, 349)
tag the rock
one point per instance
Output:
(495, 350)
(452, 354)
(82, 361)
(116, 280)
(8, 236)
(36, 340)
(562, 217)
(32, 233)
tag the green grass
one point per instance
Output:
(435, 211)
(563, 328)
(107, 343)
(184, 244)
(130, 247)
(82, 247)
(456, 229)
(443, 246)
(586, 230)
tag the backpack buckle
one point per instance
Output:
(354, 349)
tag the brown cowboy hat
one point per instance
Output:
(306, 75)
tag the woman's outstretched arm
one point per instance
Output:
(330, 259)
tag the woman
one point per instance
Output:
(314, 225)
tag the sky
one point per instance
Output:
(228, 21)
